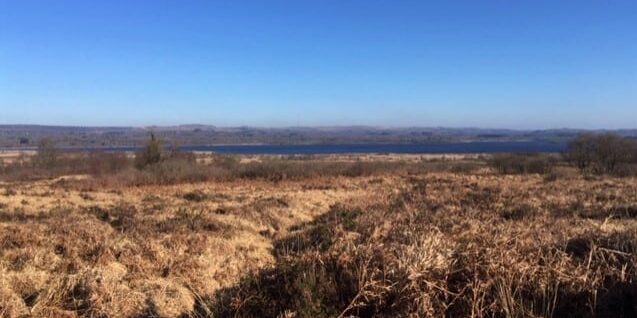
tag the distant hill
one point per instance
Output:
(27, 136)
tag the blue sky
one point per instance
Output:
(505, 64)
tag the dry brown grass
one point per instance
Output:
(116, 170)
(143, 250)
(458, 245)
(389, 242)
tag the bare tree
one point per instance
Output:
(611, 151)
(601, 153)
(581, 150)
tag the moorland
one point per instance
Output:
(162, 233)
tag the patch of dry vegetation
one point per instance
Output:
(119, 170)
(332, 236)
(142, 251)
(457, 246)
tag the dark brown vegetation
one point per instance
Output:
(150, 154)
(595, 154)
(523, 163)
(603, 154)
(27, 168)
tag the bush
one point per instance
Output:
(100, 163)
(47, 154)
(611, 151)
(172, 171)
(602, 154)
(561, 173)
(522, 163)
(150, 155)
(581, 150)
(464, 167)
(626, 170)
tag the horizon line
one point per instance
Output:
(390, 127)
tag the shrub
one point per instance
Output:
(151, 154)
(171, 171)
(522, 163)
(226, 162)
(100, 163)
(47, 154)
(559, 173)
(177, 154)
(626, 170)
(464, 167)
(602, 153)
(611, 151)
(581, 150)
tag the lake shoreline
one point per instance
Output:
(474, 147)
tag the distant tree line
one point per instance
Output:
(596, 154)
(606, 153)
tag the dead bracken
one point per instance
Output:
(406, 237)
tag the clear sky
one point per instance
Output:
(505, 64)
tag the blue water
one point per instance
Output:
(461, 148)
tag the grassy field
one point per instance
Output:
(329, 236)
